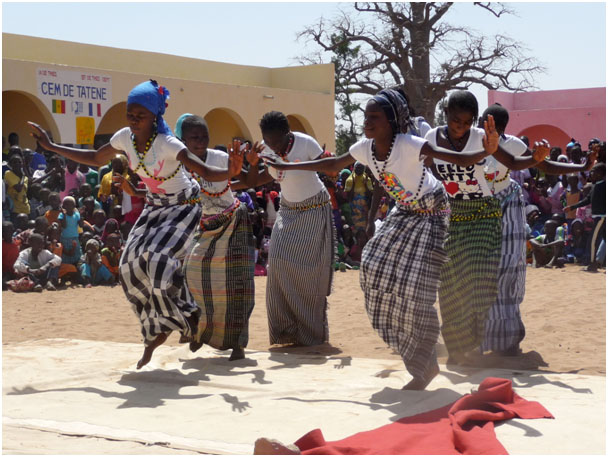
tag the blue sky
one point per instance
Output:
(568, 38)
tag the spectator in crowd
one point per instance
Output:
(10, 252)
(72, 177)
(17, 185)
(69, 220)
(109, 194)
(110, 254)
(597, 199)
(92, 269)
(53, 176)
(548, 248)
(91, 176)
(38, 264)
(359, 187)
(67, 271)
(52, 215)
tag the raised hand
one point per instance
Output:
(541, 150)
(40, 135)
(252, 153)
(491, 138)
(123, 184)
(235, 158)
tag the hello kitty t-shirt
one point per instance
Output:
(160, 161)
(404, 168)
(463, 183)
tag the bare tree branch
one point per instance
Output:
(410, 44)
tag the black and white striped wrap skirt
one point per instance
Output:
(504, 326)
(300, 271)
(151, 263)
(400, 276)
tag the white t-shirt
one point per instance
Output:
(160, 160)
(463, 183)
(421, 127)
(404, 167)
(298, 185)
(495, 170)
(215, 205)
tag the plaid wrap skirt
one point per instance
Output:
(219, 274)
(504, 326)
(400, 276)
(468, 280)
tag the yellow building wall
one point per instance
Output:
(241, 94)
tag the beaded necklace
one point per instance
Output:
(447, 135)
(206, 192)
(141, 157)
(283, 155)
(383, 175)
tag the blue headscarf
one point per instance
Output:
(178, 124)
(152, 97)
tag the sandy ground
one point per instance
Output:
(564, 312)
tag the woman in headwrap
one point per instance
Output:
(220, 264)
(400, 264)
(150, 267)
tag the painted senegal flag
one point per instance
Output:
(59, 106)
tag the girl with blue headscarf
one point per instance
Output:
(400, 264)
(150, 266)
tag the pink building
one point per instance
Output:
(555, 115)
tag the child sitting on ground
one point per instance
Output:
(38, 264)
(67, 271)
(110, 254)
(92, 270)
(99, 222)
(548, 249)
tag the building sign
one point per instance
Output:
(77, 101)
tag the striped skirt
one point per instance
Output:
(468, 279)
(300, 271)
(504, 327)
(219, 275)
(151, 264)
(400, 276)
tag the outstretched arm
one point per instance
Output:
(559, 168)
(93, 157)
(541, 150)
(327, 165)
(210, 173)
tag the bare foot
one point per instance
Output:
(195, 345)
(148, 350)
(421, 383)
(237, 354)
(266, 446)
(457, 358)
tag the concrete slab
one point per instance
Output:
(201, 403)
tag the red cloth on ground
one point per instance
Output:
(463, 427)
